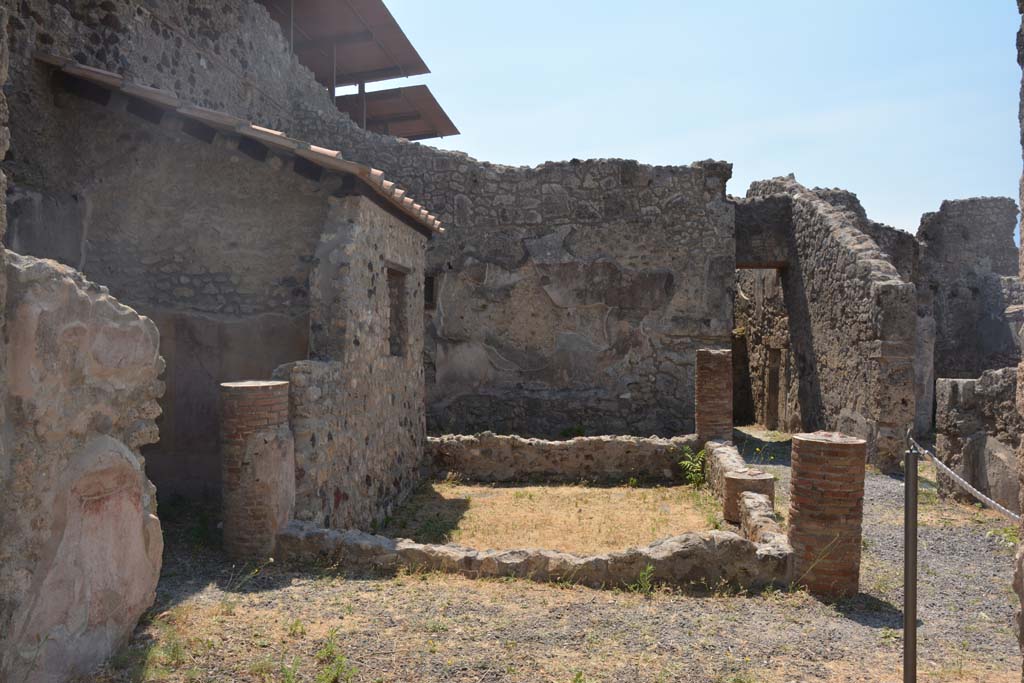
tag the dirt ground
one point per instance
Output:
(584, 520)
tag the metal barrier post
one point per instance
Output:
(910, 566)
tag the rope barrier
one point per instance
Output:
(941, 466)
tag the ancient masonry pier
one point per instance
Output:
(825, 512)
(258, 464)
(713, 395)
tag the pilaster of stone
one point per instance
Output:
(825, 512)
(258, 464)
(713, 394)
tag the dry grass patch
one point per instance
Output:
(571, 518)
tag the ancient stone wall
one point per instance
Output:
(978, 431)
(357, 409)
(497, 458)
(214, 246)
(968, 263)
(559, 305)
(850, 320)
(82, 546)
(763, 324)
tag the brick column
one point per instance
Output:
(713, 395)
(258, 473)
(825, 512)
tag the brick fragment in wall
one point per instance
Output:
(714, 394)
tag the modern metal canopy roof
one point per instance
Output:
(410, 112)
(347, 41)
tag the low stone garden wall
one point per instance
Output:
(489, 457)
(711, 558)
(758, 558)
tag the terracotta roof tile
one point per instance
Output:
(328, 159)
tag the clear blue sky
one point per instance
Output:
(905, 102)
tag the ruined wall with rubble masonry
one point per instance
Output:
(968, 265)
(610, 341)
(851, 322)
(977, 434)
(762, 327)
(356, 407)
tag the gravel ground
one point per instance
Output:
(218, 622)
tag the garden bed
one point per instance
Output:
(571, 518)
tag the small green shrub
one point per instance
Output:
(571, 432)
(692, 465)
(644, 584)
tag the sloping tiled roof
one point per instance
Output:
(384, 191)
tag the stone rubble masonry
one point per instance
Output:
(568, 294)
(978, 432)
(721, 458)
(852, 322)
(967, 278)
(489, 457)
(356, 409)
(708, 558)
(258, 461)
(757, 519)
(82, 546)
(826, 511)
(714, 394)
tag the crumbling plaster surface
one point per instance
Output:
(82, 546)
(356, 410)
(851, 322)
(584, 322)
(570, 295)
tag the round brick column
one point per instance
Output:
(713, 395)
(252, 476)
(825, 512)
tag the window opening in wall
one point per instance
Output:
(429, 300)
(397, 330)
